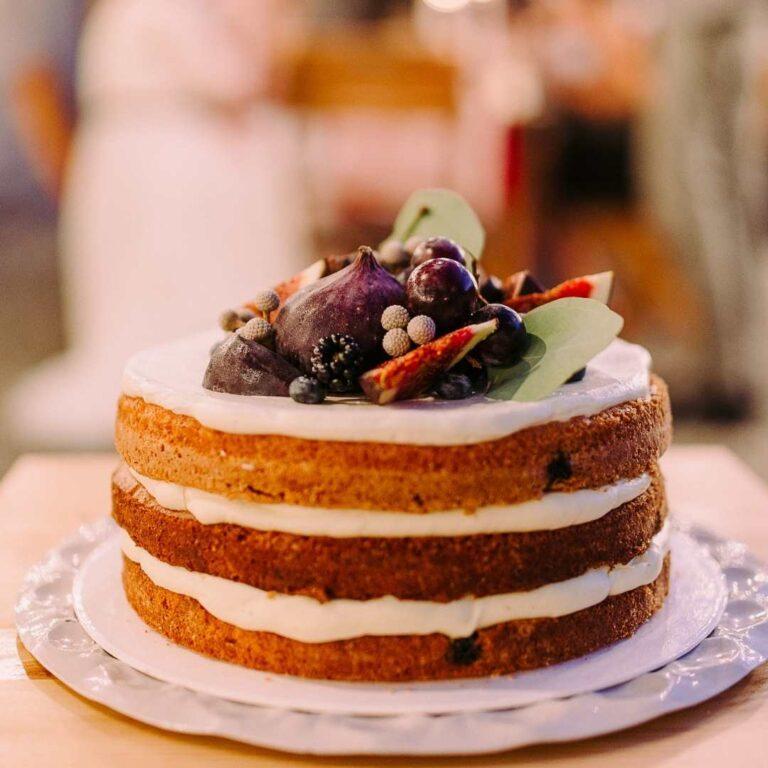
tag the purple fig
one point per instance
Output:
(240, 366)
(348, 302)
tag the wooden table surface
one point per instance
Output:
(42, 723)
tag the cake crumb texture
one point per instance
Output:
(501, 649)
(414, 568)
(584, 452)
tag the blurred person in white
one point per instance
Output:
(183, 195)
(706, 175)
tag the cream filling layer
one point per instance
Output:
(309, 621)
(552, 511)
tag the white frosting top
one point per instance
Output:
(310, 621)
(553, 510)
(171, 376)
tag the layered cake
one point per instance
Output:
(307, 493)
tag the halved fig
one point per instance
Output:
(596, 286)
(414, 373)
(287, 288)
(522, 283)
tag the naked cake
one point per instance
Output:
(306, 492)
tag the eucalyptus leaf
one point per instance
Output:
(440, 212)
(564, 336)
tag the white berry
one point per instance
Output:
(266, 301)
(422, 329)
(257, 329)
(230, 320)
(394, 316)
(396, 342)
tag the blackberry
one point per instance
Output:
(337, 362)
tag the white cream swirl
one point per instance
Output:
(310, 621)
(170, 376)
(552, 511)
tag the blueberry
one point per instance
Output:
(305, 389)
(454, 386)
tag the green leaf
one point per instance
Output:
(564, 336)
(433, 212)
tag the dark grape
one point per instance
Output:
(444, 290)
(504, 347)
(438, 248)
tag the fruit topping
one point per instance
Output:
(393, 255)
(444, 290)
(453, 386)
(396, 342)
(491, 289)
(266, 301)
(240, 366)
(337, 362)
(395, 316)
(306, 389)
(596, 287)
(422, 329)
(521, 283)
(507, 345)
(258, 329)
(306, 277)
(348, 302)
(438, 248)
(475, 371)
(403, 275)
(232, 319)
(412, 243)
(416, 372)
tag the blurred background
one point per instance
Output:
(160, 160)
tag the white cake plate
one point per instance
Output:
(694, 606)
(49, 628)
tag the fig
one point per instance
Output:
(287, 288)
(509, 342)
(443, 289)
(349, 302)
(416, 372)
(491, 289)
(522, 283)
(596, 287)
(240, 366)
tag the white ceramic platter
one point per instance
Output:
(692, 610)
(50, 629)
